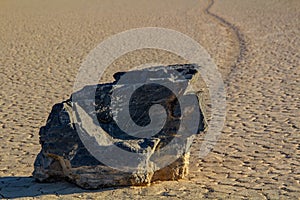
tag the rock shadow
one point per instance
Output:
(22, 186)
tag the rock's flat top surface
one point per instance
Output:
(44, 42)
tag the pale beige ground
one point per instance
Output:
(42, 44)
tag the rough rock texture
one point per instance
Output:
(65, 157)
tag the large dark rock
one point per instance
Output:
(110, 156)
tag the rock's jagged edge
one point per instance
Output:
(64, 157)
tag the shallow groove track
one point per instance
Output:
(240, 38)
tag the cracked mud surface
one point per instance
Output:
(254, 43)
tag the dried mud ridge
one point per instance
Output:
(239, 37)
